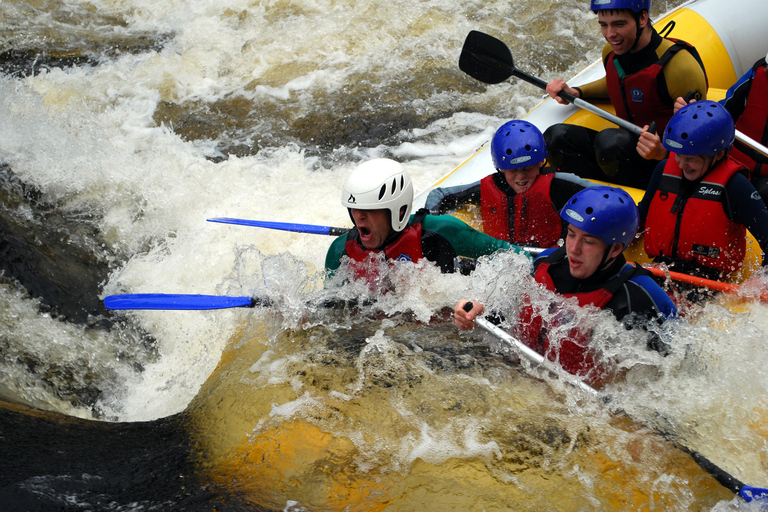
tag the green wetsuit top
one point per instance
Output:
(443, 239)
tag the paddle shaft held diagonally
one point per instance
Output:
(747, 492)
(490, 61)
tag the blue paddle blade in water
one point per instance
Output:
(749, 493)
(176, 301)
(284, 226)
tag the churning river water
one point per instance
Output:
(125, 124)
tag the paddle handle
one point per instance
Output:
(622, 123)
(528, 353)
(752, 143)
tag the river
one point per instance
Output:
(125, 124)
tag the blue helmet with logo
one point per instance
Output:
(605, 212)
(700, 128)
(632, 5)
(517, 144)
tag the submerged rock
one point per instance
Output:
(49, 253)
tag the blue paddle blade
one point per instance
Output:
(283, 226)
(180, 302)
(749, 493)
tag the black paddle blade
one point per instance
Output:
(485, 58)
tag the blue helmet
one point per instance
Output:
(700, 128)
(633, 5)
(605, 212)
(517, 144)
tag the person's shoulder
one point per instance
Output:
(336, 250)
(446, 226)
(607, 49)
(435, 222)
(429, 219)
(549, 254)
(686, 53)
(569, 178)
(548, 170)
(741, 174)
(665, 45)
(739, 188)
(644, 289)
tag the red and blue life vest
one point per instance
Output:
(573, 354)
(696, 226)
(531, 221)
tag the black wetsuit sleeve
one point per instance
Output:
(748, 208)
(564, 186)
(335, 253)
(438, 250)
(444, 200)
(735, 100)
(642, 304)
(465, 240)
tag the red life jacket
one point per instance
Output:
(406, 247)
(697, 227)
(753, 122)
(573, 354)
(532, 220)
(637, 97)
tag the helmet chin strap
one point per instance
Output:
(605, 262)
(639, 32)
(710, 163)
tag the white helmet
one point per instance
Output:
(378, 184)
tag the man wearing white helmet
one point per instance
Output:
(644, 74)
(379, 196)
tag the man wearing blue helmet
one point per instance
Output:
(602, 221)
(699, 202)
(645, 73)
(520, 202)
